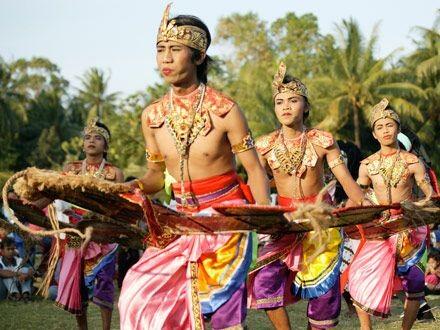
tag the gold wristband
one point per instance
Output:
(336, 162)
(140, 184)
(245, 144)
(153, 158)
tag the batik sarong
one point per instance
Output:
(287, 270)
(195, 276)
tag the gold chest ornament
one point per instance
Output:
(99, 173)
(184, 128)
(393, 169)
(291, 158)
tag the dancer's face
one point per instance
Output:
(175, 63)
(290, 108)
(385, 131)
(94, 144)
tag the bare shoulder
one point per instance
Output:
(320, 138)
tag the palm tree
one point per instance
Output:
(423, 66)
(94, 94)
(357, 80)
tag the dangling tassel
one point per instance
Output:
(54, 254)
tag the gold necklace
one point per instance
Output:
(99, 173)
(184, 131)
(391, 170)
(291, 158)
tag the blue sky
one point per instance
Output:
(119, 36)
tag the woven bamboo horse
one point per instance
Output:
(115, 211)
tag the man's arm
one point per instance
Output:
(422, 179)
(119, 176)
(153, 180)
(237, 130)
(340, 170)
(8, 273)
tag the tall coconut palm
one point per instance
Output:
(94, 94)
(356, 80)
(423, 66)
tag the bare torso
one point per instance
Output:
(309, 184)
(308, 179)
(405, 168)
(209, 155)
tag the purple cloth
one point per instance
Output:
(104, 288)
(413, 283)
(232, 312)
(323, 311)
(269, 286)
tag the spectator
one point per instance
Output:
(432, 274)
(13, 273)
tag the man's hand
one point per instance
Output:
(22, 277)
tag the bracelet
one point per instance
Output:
(140, 184)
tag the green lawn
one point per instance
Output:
(42, 314)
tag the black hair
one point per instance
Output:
(202, 69)
(7, 242)
(434, 255)
(354, 157)
(287, 79)
(99, 124)
(130, 178)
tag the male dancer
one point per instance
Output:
(390, 263)
(193, 131)
(295, 155)
(95, 262)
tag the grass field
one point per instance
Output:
(42, 314)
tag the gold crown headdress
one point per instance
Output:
(188, 35)
(295, 86)
(93, 128)
(380, 111)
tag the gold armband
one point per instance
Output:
(153, 158)
(425, 180)
(245, 144)
(364, 186)
(336, 162)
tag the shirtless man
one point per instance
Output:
(295, 156)
(391, 172)
(193, 131)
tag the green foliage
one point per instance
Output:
(41, 119)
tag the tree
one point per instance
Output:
(423, 67)
(255, 51)
(94, 95)
(356, 80)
